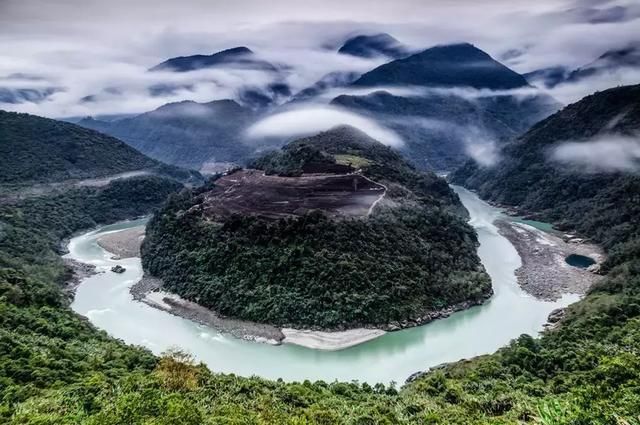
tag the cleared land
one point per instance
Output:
(250, 192)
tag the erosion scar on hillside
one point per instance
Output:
(252, 192)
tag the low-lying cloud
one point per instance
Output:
(311, 120)
(607, 153)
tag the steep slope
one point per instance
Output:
(237, 57)
(311, 242)
(370, 46)
(186, 133)
(457, 65)
(577, 192)
(41, 150)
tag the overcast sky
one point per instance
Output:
(87, 46)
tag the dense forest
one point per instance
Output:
(393, 268)
(42, 150)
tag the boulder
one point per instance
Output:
(118, 269)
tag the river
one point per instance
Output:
(105, 299)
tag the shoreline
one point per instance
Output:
(544, 273)
(122, 243)
(126, 244)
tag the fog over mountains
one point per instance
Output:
(449, 85)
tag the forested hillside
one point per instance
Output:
(401, 263)
(40, 150)
(597, 199)
(187, 134)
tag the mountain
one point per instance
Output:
(310, 238)
(612, 61)
(592, 191)
(376, 45)
(185, 133)
(456, 65)
(237, 57)
(440, 117)
(41, 150)
(331, 80)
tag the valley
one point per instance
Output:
(105, 299)
(319, 213)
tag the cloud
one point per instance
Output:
(86, 50)
(573, 91)
(607, 153)
(311, 120)
(481, 148)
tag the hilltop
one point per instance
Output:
(369, 46)
(336, 231)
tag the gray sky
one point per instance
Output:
(87, 46)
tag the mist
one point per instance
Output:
(605, 153)
(313, 119)
(102, 50)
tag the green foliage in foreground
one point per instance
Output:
(43, 344)
(585, 372)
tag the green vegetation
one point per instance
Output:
(392, 268)
(40, 150)
(42, 343)
(56, 369)
(352, 161)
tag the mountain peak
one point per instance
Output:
(240, 56)
(369, 46)
(454, 65)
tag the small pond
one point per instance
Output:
(580, 261)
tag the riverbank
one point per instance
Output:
(544, 272)
(149, 291)
(77, 272)
(122, 243)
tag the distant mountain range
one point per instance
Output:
(237, 57)
(187, 134)
(435, 123)
(459, 65)
(608, 62)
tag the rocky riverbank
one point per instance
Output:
(545, 273)
(149, 290)
(77, 272)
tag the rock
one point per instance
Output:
(575, 240)
(556, 315)
(594, 268)
(414, 376)
(118, 269)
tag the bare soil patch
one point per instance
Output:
(250, 192)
